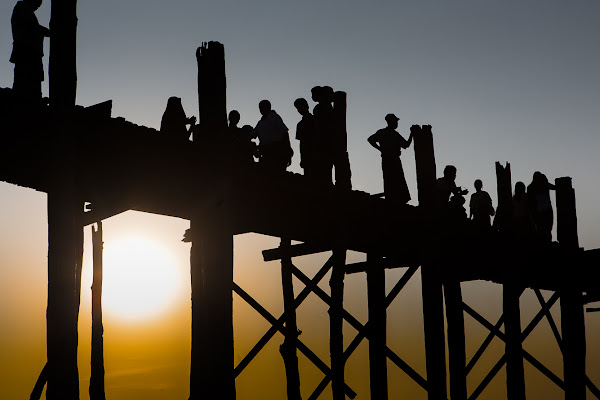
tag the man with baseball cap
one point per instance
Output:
(390, 143)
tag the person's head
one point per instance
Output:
(392, 121)
(478, 184)
(450, 172)
(234, 118)
(519, 189)
(34, 4)
(301, 105)
(317, 94)
(328, 94)
(264, 107)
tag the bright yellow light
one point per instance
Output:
(140, 279)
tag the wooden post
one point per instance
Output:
(212, 364)
(96, 388)
(336, 342)
(343, 174)
(571, 299)
(289, 347)
(377, 327)
(433, 303)
(511, 292)
(63, 62)
(425, 164)
(456, 340)
(503, 216)
(64, 236)
(212, 87)
(515, 376)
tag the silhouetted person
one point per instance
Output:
(28, 49)
(243, 148)
(274, 149)
(522, 223)
(540, 205)
(174, 121)
(445, 186)
(480, 206)
(390, 143)
(311, 154)
(323, 114)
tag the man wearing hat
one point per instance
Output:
(390, 143)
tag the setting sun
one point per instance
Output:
(140, 279)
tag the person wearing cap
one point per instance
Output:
(390, 143)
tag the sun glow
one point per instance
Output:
(140, 281)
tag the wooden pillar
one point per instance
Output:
(212, 87)
(64, 274)
(433, 303)
(289, 347)
(425, 164)
(343, 174)
(503, 218)
(336, 341)
(515, 376)
(96, 388)
(63, 63)
(377, 327)
(571, 300)
(456, 340)
(212, 364)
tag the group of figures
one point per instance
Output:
(530, 215)
(322, 136)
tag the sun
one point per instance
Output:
(140, 279)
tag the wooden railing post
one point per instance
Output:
(377, 327)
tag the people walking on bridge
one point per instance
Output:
(390, 143)
(523, 224)
(480, 206)
(174, 121)
(242, 146)
(274, 149)
(28, 49)
(540, 205)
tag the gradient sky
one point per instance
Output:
(512, 81)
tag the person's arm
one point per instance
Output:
(406, 143)
(374, 142)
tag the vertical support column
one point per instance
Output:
(64, 274)
(456, 340)
(377, 327)
(502, 221)
(433, 303)
(212, 363)
(336, 321)
(343, 174)
(212, 87)
(63, 46)
(96, 388)
(515, 376)
(288, 348)
(571, 299)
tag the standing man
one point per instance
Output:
(275, 151)
(480, 206)
(28, 49)
(390, 143)
(306, 133)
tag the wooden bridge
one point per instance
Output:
(93, 166)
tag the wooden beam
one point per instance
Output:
(295, 250)
(377, 328)
(212, 88)
(456, 340)
(288, 348)
(425, 164)
(515, 375)
(336, 324)
(63, 61)
(96, 389)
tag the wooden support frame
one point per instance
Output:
(376, 327)
(96, 388)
